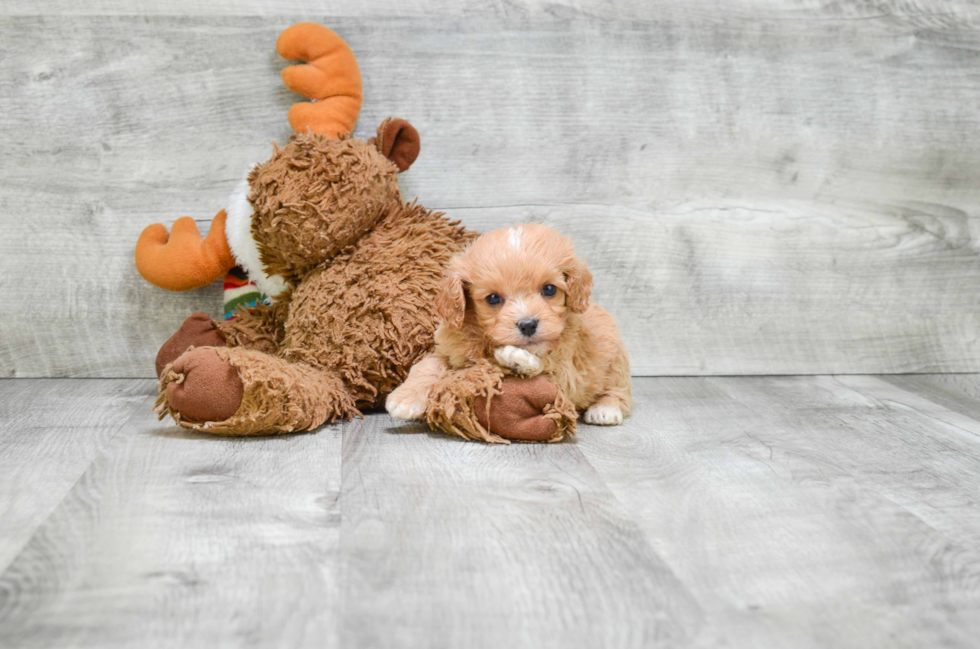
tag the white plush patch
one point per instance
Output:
(514, 237)
(519, 360)
(401, 404)
(238, 231)
(602, 414)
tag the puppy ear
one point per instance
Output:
(578, 285)
(451, 301)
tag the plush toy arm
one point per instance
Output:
(528, 409)
(479, 402)
(451, 401)
(182, 260)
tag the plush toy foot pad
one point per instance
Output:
(198, 330)
(518, 412)
(210, 389)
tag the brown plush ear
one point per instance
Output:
(578, 285)
(399, 142)
(451, 301)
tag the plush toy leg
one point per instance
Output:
(203, 386)
(259, 327)
(198, 330)
(478, 402)
(199, 391)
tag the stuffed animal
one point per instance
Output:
(351, 272)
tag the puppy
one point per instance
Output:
(520, 297)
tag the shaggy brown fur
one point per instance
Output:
(261, 327)
(301, 190)
(479, 401)
(279, 397)
(363, 269)
(368, 314)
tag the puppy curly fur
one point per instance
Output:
(575, 343)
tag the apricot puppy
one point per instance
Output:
(519, 297)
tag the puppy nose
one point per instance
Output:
(528, 326)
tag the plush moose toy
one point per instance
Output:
(351, 271)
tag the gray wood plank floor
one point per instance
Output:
(727, 512)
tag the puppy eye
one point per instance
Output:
(493, 299)
(549, 290)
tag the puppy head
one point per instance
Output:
(516, 285)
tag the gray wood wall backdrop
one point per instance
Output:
(761, 187)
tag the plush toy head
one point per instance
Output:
(316, 195)
(311, 199)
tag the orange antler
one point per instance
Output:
(329, 77)
(183, 260)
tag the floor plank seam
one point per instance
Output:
(102, 454)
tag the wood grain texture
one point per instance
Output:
(176, 539)
(927, 394)
(800, 512)
(452, 544)
(924, 12)
(913, 451)
(50, 431)
(958, 392)
(767, 188)
(695, 291)
(754, 512)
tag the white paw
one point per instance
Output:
(604, 415)
(519, 360)
(402, 406)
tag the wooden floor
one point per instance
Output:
(728, 512)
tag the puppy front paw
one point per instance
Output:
(520, 361)
(401, 404)
(604, 414)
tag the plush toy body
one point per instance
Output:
(354, 311)
(352, 272)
